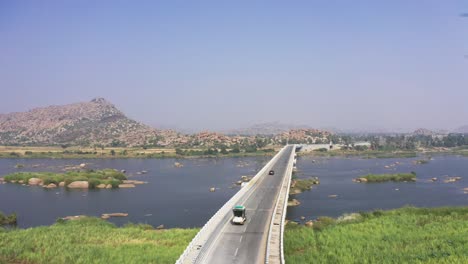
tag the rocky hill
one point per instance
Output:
(423, 132)
(270, 128)
(88, 123)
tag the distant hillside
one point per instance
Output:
(462, 129)
(423, 132)
(95, 122)
(270, 128)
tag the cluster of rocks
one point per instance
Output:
(392, 165)
(75, 167)
(452, 179)
(178, 165)
(360, 180)
(107, 216)
(447, 179)
(76, 184)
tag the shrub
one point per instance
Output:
(93, 183)
(323, 222)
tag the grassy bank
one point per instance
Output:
(397, 177)
(406, 235)
(92, 240)
(120, 152)
(94, 178)
(369, 154)
(301, 185)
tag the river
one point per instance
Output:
(180, 197)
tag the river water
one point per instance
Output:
(180, 197)
(336, 176)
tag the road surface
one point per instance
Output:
(246, 243)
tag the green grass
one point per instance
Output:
(397, 177)
(406, 235)
(94, 177)
(92, 240)
(302, 185)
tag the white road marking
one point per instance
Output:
(240, 240)
(235, 254)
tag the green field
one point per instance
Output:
(92, 240)
(406, 235)
(397, 177)
(93, 177)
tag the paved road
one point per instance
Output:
(247, 243)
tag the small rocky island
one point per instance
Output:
(397, 177)
(89, 179)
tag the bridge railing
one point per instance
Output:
(191, 253)
(275, 248)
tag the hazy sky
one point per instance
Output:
(226, 64)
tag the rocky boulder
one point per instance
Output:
(309, 223)
(50, 186)
(34, 181)
(78, 185)
(126, 185)
(134, 182)
(107, 216)
(74, 217)
(294, 202)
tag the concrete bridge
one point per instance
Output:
(260, 239)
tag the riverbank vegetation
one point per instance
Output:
(301, 185)
(91, 240)
(406, 235)
(368, 154)
(397, 177)
(7, 219)
(93, 177)
(130, 152)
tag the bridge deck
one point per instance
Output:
(246, 243)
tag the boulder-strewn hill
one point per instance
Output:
(95, 122)
(271, 128)
(423, 132)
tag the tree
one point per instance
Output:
(179, 151)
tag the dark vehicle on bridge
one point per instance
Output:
(272, 172)
(239, 215)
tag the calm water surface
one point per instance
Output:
(336, 176)
(180, 197)
(174, 197)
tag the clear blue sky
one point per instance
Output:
(226, 64)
